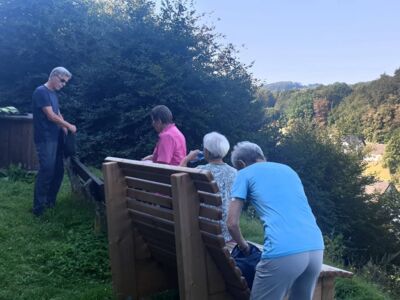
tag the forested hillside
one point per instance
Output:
(372, 110)
(369, 110)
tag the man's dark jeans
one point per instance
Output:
(49, 177)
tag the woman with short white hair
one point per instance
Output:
(216, 146)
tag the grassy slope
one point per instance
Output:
(59, 257)
(56, 256)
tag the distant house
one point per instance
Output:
(352, 142)
(380, 188)
(376, 152)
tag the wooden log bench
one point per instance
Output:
(163, 234)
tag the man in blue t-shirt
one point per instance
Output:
(293, 244)
(49, 130)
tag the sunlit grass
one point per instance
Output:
(377, 170)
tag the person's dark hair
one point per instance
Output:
(162, 113)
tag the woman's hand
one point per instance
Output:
(191, 156)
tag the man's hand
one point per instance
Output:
(148, 157)
(72, 128)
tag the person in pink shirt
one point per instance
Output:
(171, 145)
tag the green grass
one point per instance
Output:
(57, 256)
(356, 288)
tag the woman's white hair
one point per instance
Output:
(216, 144)
(246, 152)
(60, 71)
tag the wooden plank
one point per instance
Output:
(212, 240)
(327, 288)
(162, 169)
(216, 283)
(210, 227)
(4, 143)
(84, 172)
(317, 291)
(150, 209)
(119, 234)
(153, 198)
(141, 250)
(210, 213)
(329, 271)
(163, 257)
(146, 219)
(232, 274)
(190, 251)
(146, 175)
(210, 198)
(159, 237)
(148, 185)
(209, 187)
(237, 293)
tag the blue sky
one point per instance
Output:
(311, 41)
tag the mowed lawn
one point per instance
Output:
(57, 256)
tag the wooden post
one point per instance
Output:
(327, 288)
(119, 233)
(190, 250)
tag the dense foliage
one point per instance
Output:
(334, 185)
(125, 59)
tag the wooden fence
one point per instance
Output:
(16, 142)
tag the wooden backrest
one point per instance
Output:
(163, 230)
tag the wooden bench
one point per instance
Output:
(161, 235)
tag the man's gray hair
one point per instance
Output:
(60, 71)
(216, 144)
(246, 152)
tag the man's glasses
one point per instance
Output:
(62, 80)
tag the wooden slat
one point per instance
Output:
(84, 172)
(153, 198)
(210, 199)
(232, 274)
(163, 256)
(158, 223)
(151, 233)
(141, 250)
(206, 186)
(210, 213)
(149, 185)
(327, 288)
(162, 169)
(210, 227)
(238, 293)
(213, 240)
(157, 240)
(190, 252)
(146, 175)
(120, 237)
(150, 209)
(216, 283)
